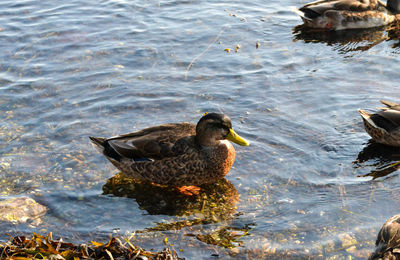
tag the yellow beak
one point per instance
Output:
(234, 137)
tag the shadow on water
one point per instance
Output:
(385, 159)
(346, 41)
(214, 204)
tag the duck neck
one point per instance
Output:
(206, 141)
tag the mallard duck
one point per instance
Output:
(388, 240)
(349, 14)
(180, 154)
(384, 125)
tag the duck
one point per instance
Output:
(349, 14)
(177, 154)
(384, 125)
(388, 240)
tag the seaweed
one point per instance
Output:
(44, 247)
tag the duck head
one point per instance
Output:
(213, 127)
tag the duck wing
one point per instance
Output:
(318, 8)
(388, 119)
(152, 143)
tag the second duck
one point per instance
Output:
(349, 14)
(384, 125)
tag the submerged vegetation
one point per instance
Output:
(41, 247)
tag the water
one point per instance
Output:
(70, 70)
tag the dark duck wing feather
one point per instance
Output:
(151, 143)
(387, 118)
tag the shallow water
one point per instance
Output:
(70, 70)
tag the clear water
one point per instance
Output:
(78, 68)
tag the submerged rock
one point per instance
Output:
(348, 242)
(388, 240)
(20, 210)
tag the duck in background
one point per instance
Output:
(388, 240)
(384, 125)
(349, 14)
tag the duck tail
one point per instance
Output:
(367, 118)
(300, 13)
(98, 142)
(364, 114)
(102, 145)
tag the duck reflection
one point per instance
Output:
(385, 159)
(349, 40)
(214, 201)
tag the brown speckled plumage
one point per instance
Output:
(388, 240)
(384, 125)
(175, 154)
(349, 14)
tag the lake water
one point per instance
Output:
(70, 69)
